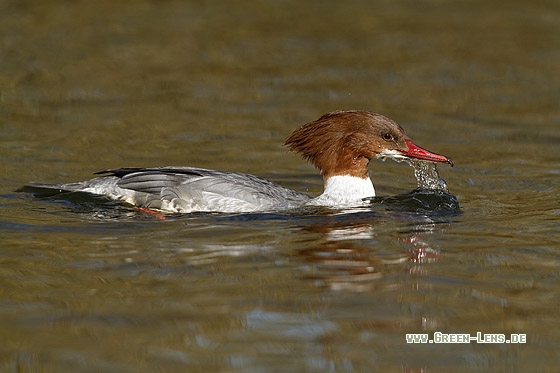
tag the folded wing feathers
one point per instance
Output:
(149, 182)
(185, 187)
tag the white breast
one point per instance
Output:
(344, 190)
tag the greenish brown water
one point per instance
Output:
(87, 284)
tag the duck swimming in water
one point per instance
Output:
(340, 144)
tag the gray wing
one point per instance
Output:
(186, 189)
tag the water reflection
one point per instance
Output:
(341, 266)
(352, 257)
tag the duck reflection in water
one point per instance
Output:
(353, 258)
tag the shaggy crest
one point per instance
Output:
(343, 142)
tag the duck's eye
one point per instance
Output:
(387, 137)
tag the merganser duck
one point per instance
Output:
(340, 144)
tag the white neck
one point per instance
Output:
(344, 190)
